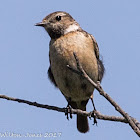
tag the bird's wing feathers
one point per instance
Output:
(96, 48)
(101, 68)
(51, 77)
(50, 74)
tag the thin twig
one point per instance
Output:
(73, 111)
(103, 93)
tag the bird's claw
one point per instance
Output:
(92, 114)
(68, 111)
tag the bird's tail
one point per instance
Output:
(82, 123)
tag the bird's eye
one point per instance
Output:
(58, 18)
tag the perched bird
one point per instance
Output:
(68, 37)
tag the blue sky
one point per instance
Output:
(24, 62)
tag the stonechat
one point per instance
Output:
(68, 37)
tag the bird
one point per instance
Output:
(67, 37)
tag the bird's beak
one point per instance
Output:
(40, 24)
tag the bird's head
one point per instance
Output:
(58, 24)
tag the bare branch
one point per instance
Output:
(73, 111)
(33, 103)
(97, 85)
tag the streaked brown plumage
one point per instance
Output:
(68, 37)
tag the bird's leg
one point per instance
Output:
(94, 109)
(68, 110)
(91, 97)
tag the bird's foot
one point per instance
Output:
(68, 111)
(92, 114)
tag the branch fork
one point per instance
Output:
(126, 118)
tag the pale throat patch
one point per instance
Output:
(71, 28)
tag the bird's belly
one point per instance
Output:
(72, 85)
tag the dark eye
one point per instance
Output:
(58, 18)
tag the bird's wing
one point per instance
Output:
(101, 68)
(96, 48)
(51, 77)
(50, 74)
